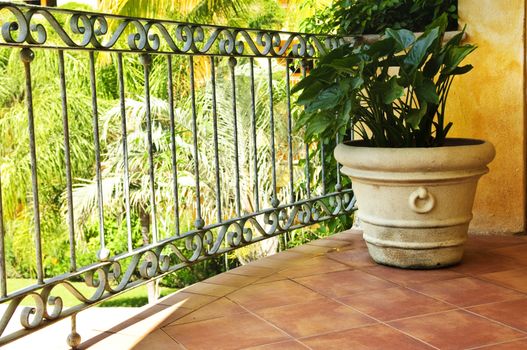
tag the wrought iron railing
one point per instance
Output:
(225, 146)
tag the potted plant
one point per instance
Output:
(414, 186)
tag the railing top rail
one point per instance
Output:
(35, 26)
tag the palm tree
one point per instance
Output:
(113, 166)
(198, 11)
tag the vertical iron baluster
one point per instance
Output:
(323, 167)
(274, 200)
(303, 68)
(232, 65)
(125, 151)
(27, 56)
(216, 149)
(146, 61)
(199, 221)
(103, 253)
(255, 146)
(338, 186)
(3, 276)
(289, 132)
(65, 124)
(173, 143)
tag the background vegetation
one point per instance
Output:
(346, 17)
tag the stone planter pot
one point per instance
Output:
(415, 204)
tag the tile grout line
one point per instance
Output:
(479, 277)
(266, 321)
(496, 321)
(388, 325)
(175, 340)
(373, 318)
(486, 346)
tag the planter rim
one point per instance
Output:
(449, 142)
(458, 154)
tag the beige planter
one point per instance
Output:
(415, 204)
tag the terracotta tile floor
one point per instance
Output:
(329, 294)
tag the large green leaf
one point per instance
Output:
(426, 91)
(310, 92)
(322, 75)
(420, 49)
(415, 116)
(455, 55)
(432, 66)
(381, 48)
(462, 70)
(456, 39)
(403, 38)
(347, 64)
(390, 90)
(326, 99)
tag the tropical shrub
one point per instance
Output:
(393, 93)
(347, 17)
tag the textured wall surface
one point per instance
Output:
(489, 103)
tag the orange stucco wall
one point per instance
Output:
(489, 103)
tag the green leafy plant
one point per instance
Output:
(374, 16)
(392, 93)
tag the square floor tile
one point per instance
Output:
(230, 332)
(512, 313)
(314, 266)
(355, 258)
(452, 330)
(272, 278)
(516, 279)
(252, 271)
(315, 317)
(282, 260)
(312, 249)
(516, 253)
(350, 235)
(406, 276)
(342, 283)
(288, 255)
(138, 325)
(186, 300)
(219, 308)
(229, 279)
(393, 303)
(377, 337)
(329, 243)
(278, 293)
(211, 289)
(157, 340)
(513, 345)
(480, 262)
(466, 291)
(286, 345)
(488, 242)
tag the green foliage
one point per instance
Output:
(374, 16)
(393, 92)
(195, 273)
(262, 14)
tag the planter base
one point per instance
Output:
(415, 248)
(415, 258)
